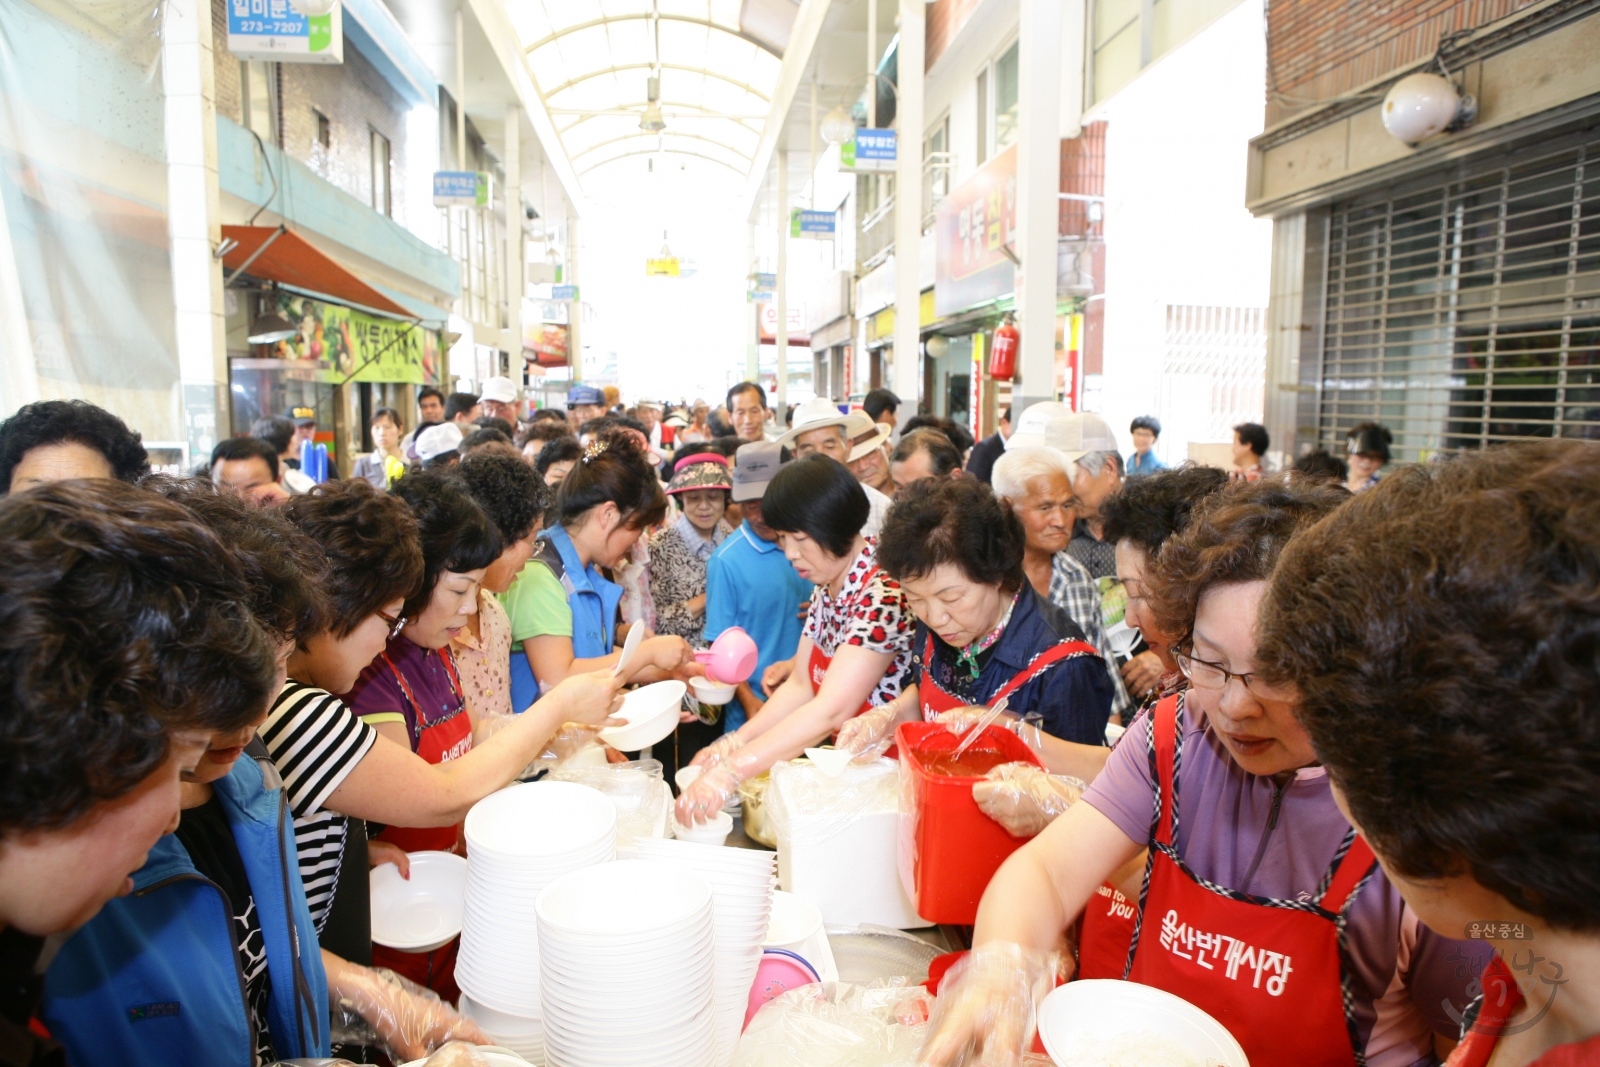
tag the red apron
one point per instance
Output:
(1268, 970)
(438, 741)
(819, 662)
(1501, 999)
(935, 698)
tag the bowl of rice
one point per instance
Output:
(1106, 1023)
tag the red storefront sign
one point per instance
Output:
(972, 228)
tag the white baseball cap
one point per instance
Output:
(1052, 424)
(502, 390)
(437, 440)
(814, 414)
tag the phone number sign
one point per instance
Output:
(273, 30)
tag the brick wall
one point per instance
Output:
(355, 98)
(945, 18)
(1083, 171)
(1321, 49)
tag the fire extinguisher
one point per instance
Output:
(1003, 353)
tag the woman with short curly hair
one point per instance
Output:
(1260, 904)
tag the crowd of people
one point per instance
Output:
(234, 693)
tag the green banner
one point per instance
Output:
(359, 347)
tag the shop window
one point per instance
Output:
(258, 93)
(324, 129)
(981, 149)
(381, 201)
(1005, 98)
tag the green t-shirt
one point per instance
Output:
(537, 604)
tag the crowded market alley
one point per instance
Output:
(800, 533)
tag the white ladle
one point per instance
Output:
(830, 761)
(978, 727)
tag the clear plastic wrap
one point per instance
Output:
(868, 735)
(1024, 799)
(986, 1009)
(805, 806)
(376, 1007)
(836, 1024)
(457, 1054)
(637, 789)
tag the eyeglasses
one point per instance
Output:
(1207, 675)
(397, 624)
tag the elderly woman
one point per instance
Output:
(701, 483)
(856, 646)
(1261, 905)
(983, 633)
(1036, 482)
(53, 440)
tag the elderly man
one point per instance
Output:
(649, 414)
(747, 411)
(869, 454)
(1086, 440)
(499, 399)
(248, 467)
(924, 453)
(819, 428)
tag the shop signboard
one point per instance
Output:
(662, 267)
(974, 228)
(545, 343)
(796, 316)
(564, 292)
(871, 151)
(273, 30)
(814, 224)
(460, 188)
(350, 345)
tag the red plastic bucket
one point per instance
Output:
(948, 849)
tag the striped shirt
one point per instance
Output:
(315, 742)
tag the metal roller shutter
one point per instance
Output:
(1463, 308)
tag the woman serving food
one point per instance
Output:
(1260, 903)
(856, 646)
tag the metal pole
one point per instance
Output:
(514, 252)
(782, 329)
(908, 212)
(461, 91)
(575, 308)
(872, 64)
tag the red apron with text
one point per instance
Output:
(437, 741)
(819, 662)
(1268, 970)
(935, 698)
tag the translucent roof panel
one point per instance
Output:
(592, 59)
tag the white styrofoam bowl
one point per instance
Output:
(1103, 1008)
(424, 912)
(652, 714)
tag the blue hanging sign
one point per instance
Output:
(872, 150)
(273, 30)
(460, 188)
(817, 224)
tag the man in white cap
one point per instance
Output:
(1086, 440)
(869, 452)
(438, 446)
(650, 416)
(819, 428)
(499, 398)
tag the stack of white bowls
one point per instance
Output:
(742, 881)
(626, 955)
(519, 841)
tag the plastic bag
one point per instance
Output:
(1024, 799)
(378, 1008)
(806, 806)
(986, 1010)
(637, 789)
(457, 1054)
(836, 1024)
(870, 734)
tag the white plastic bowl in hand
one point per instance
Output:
(714, 831)
(685, 776)
(1099, 1010)
(651, 713)
(708, 692)
(424, 912)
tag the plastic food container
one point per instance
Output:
(947, 848)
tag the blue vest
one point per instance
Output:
(154, 980)
(593, 601)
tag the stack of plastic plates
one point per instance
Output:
(519, 841)
(625, 956)
(742, 883)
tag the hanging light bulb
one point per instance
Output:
(838, 127)
(651, 121)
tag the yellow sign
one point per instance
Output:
(666, 267)
(351, 344)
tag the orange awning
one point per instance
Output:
(292, 260)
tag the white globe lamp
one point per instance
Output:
(838, 127)
(1421, 105)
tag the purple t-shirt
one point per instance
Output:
(378, 697)
(1407, 979)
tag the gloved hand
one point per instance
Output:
(718, 750)
(409, 1021)
(869, 734)
(708, 793)
(985, 1009)
(1024, 799)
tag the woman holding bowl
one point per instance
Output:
(856, 646)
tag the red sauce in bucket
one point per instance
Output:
(973, 763)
